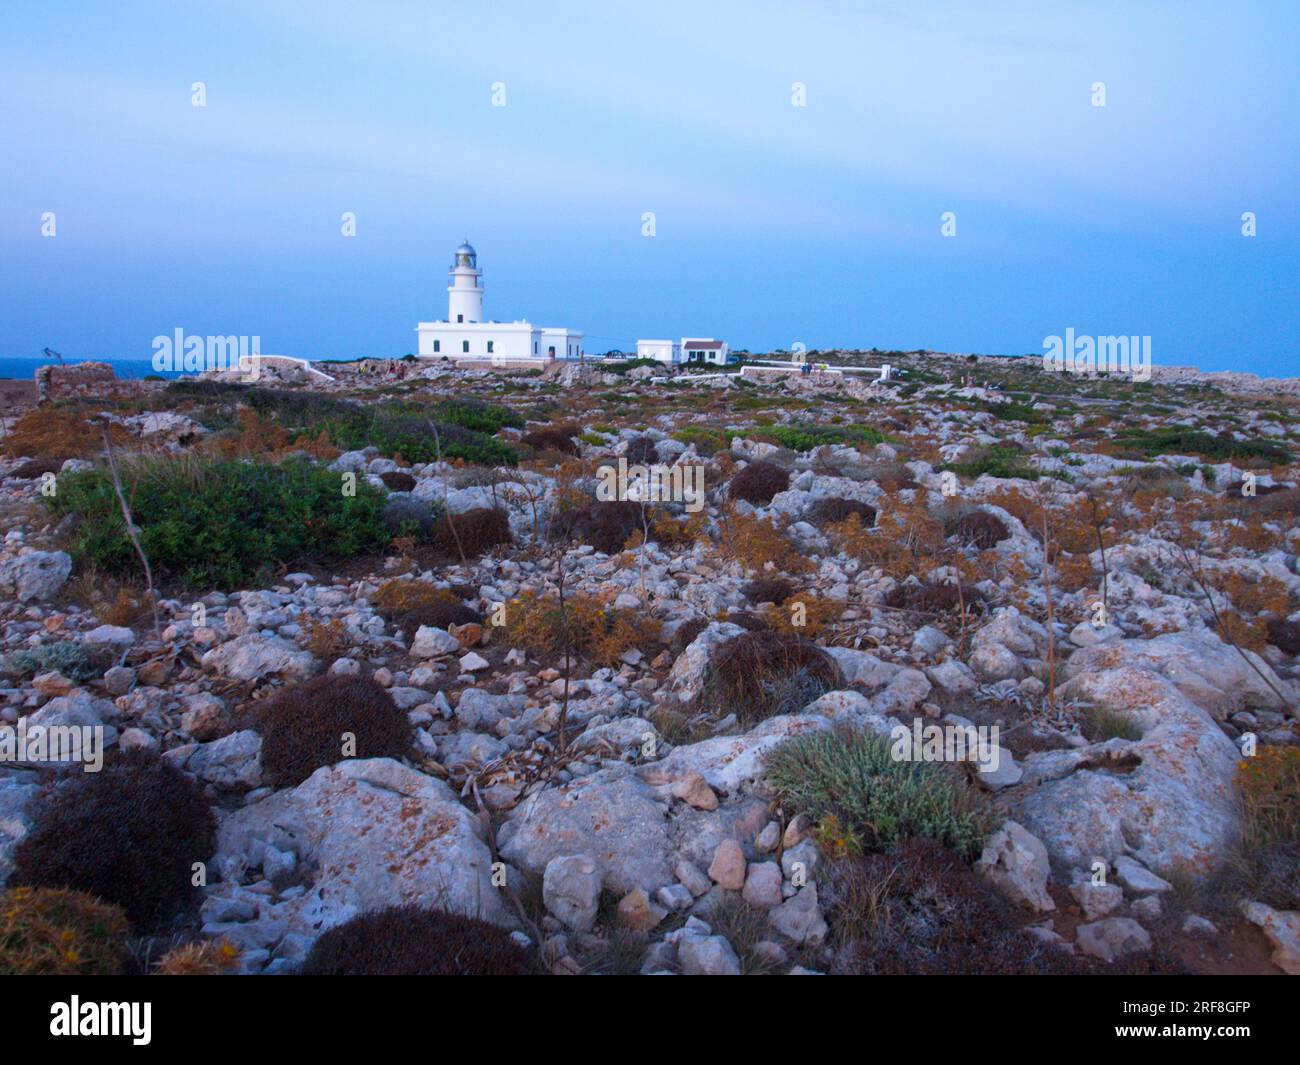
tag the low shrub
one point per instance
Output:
(705, 440)
(1284, 635)
(420, 433)
(606, 525)
(976, 528)
(1002, 461)
(128, 834)
(76, 661)
(802, 436)
(58, 433)
(754, 542)
(761, 674)
(624, 365)
(1267, 859)
(410, 941)
(836, 509)
(35, 468)
(398, 481)
(853, 777)
(477, 416)
(803, 614)
(919, 910)
(592, 629)
(219, 522)
(642, 451)
(559, 438)
(410, 604)
(306, 726)
(473, 531)
(56, 932)
(1187, 440)
(408, 516)
(758, 482)
(768, 590)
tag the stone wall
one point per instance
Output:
(88, 380)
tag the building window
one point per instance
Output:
(490, 347)
(437, 346)
(460, 317)
(464, 346)
(534, 347)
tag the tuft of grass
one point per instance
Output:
(55, 932)
(765, 673)
(1101, 723)
(76, 661)
(853, 777)
(1267, 860)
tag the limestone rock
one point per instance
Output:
(1015, 862)
(1112, 938)
(571, 890)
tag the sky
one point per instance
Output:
(773, 224)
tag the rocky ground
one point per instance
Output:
(1105, 571)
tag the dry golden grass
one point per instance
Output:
(592, 628)
(907, 538)
(211, 958)
(59, 434)
(755, 542)
(255, 436)
(803, 614)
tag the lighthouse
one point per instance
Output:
(467, 336)
(465, 293)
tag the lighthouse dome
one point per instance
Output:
(466, 255)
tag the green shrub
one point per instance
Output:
(53, 932)
(219, 522)
(1186, 440)
(996, 461)
(803, 436)
(852, 776)
(626, 365)
(706, 440)
(76, 661)
(477, 416)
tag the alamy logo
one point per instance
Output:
(947, 743)
(24, 744)
(1089, 356)
(103, 1018)
(652, 484)
(188, 353)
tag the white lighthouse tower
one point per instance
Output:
(465, 335)
(465, 293)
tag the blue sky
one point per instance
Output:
(775, 224)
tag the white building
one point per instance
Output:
(465, 335)
(687, 349)
(705, 349)
(668, 351)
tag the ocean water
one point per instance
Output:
(23, 369)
